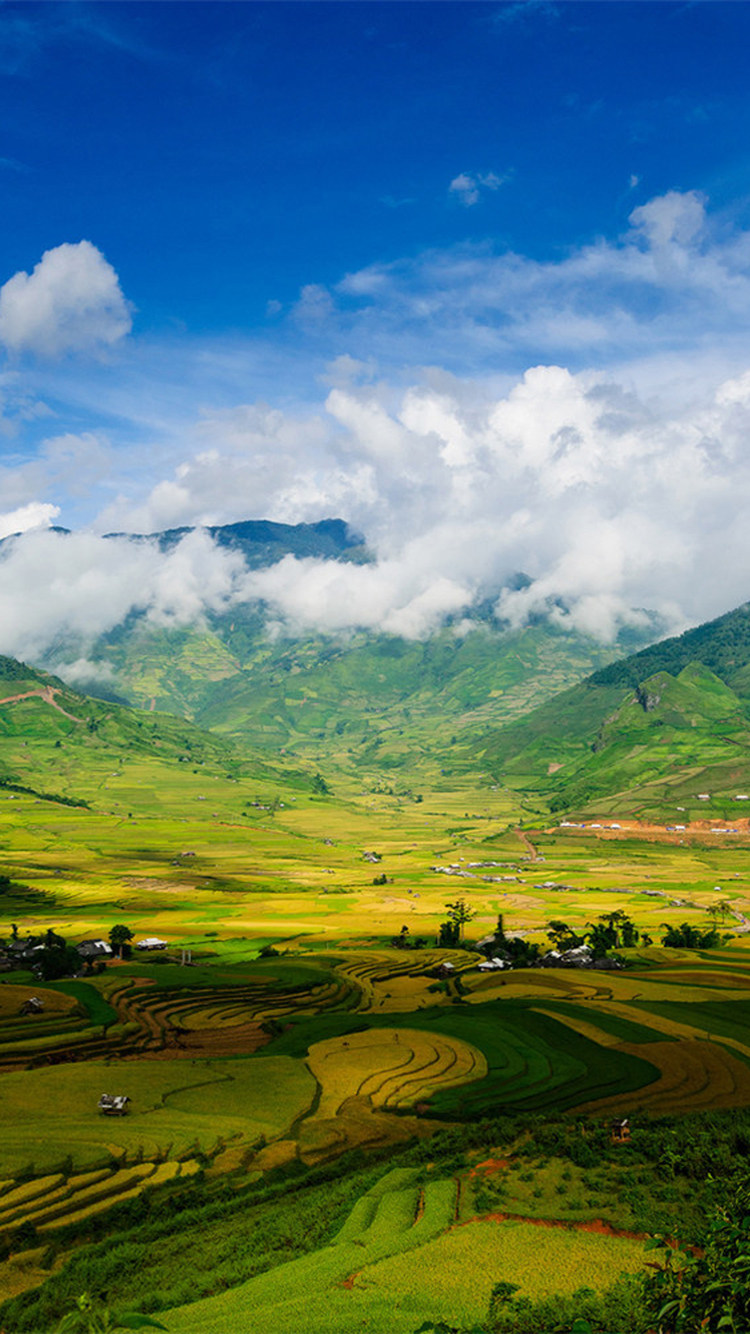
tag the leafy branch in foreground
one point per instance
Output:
(710, 1290)
(90, 1316)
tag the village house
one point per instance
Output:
(94, 949)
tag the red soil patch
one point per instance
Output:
(739, 827)
(596, 1225)
(490, 1166)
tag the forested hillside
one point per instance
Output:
(656, 731)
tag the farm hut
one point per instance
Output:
(113, 1104)
(32, 1006)
(619, 1130)
(445, 969)
(151, 943)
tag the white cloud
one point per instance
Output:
(467, 189)
(57, 588)
(71, 302)
(677, 279)
(609, 501)
(34, 515)
(83, 672)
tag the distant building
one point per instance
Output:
(151, 943)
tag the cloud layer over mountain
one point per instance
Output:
(584, 420)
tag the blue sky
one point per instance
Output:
(224, 155)
(438, 268)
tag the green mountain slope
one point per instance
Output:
(60, 745)
(647, 734)
(366, 703)
(262, 542)
(372, 701)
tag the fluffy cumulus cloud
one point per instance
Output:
(675, 282)
(70, 302)
(612, 504)
(608, 503)
(37, 514)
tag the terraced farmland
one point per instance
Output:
(404, 1253)
(391, 1068)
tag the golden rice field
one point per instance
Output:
(391, 1068)
(457, 1270)
(13, 997)
(392, 981)
(55, 1201)
(695, 1075)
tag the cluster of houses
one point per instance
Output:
(18, 953)
(580, 956)
(24, 953)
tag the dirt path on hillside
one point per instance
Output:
(48, 695)
(527, 843)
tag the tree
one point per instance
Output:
(629, 934)
(58, 960)
(687, 937)
(320, 786)
(708, 1290)
(599, 938)
(119, 938)
(459, 913)
(610, 930)
(563, 937)
(448, 936)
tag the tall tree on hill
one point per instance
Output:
(119, 938)
(459, 913)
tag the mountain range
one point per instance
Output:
(573, 724)
(363, 701)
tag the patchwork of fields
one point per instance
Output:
(300, 1054)
(244, 1070)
